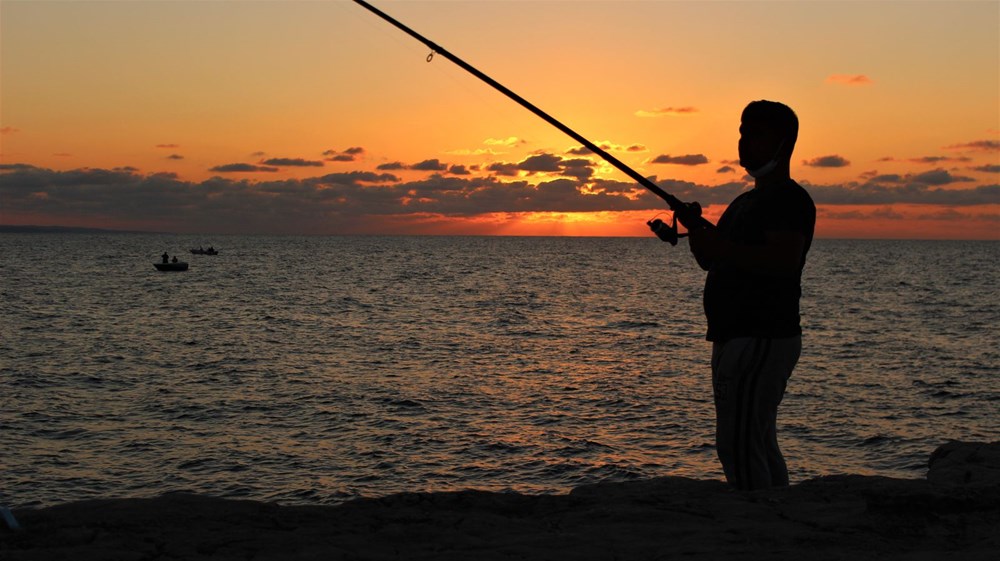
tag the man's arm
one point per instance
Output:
(780, 254)
(701, 241)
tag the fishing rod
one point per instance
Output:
(689, 214)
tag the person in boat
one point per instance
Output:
(754, 257)
(165, 257)
(174, 260)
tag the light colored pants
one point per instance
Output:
(749, 377)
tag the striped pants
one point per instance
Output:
(748, 377)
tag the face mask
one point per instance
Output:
(769, 166)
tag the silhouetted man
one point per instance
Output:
(754, 257)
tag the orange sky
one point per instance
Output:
(319, 118)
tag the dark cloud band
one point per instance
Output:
(224, 204)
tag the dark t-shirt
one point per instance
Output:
(739, 303)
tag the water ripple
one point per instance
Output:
(312, 370)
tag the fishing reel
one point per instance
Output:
(664, 231)
(668, 232)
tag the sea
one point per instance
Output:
(314, 370)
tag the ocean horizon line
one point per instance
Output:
(60, 229)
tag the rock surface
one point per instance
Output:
(953, 514)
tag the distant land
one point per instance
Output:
(10, 229)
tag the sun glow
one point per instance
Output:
(134, 119)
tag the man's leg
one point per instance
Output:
(730, 362)
(784, 356)
(749, 377)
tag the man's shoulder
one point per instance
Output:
(799, 192)
(791, 195)
(741, 199)
(790, 208)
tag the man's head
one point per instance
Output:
(768, 131)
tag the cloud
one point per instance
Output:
(849, 79)
(18, 167)
(241, 168)
(541, 163)
(888, 213)
(921, 188)
(666, 111)
(882, 213)
(607, 146)
(168, 146)
(214, 203)
(504, 169)
(977, 146)
(937, 177)
(945, 214)
(330, 202)
(832, 161)
(927, 159)
(476, 152)
(989, 168)
(938, 159)
(292, 162)
(459, 170)
(686, 160)
(508, 142)
(885, 178)
(725, 169)
(9, 130)
(348, 155)
(175, 157)
(578, 168)
(429, 165)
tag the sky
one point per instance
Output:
(316, 117)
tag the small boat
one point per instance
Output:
(175, 266)
(209, 251)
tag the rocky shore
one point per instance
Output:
(953, 514)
